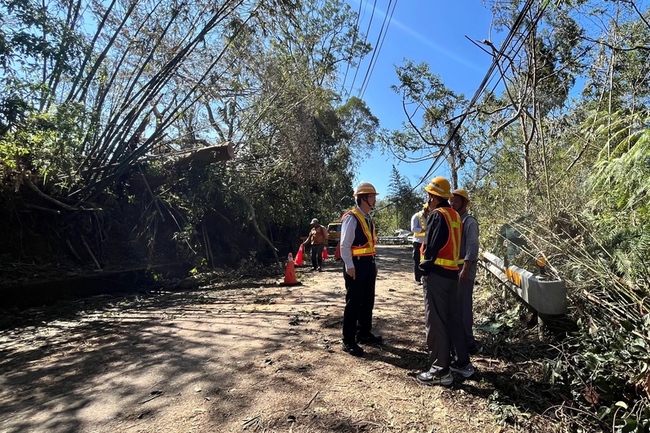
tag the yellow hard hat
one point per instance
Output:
(365, 188)
(439, 186)
(463, 193)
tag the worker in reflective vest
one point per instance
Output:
(418, 227)
(444, 329)
(358, 239)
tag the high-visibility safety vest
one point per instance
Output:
(367, 248)
(449, 254)
(423, 224)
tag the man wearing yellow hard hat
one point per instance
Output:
(468, 261)
(358, 240)
(444, 329)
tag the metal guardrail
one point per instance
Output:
(393, 240)
(546, 295)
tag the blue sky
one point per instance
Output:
(434, 32)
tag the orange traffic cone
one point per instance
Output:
(290, 273)
(337, 253)
(299, 255)
(325, 256)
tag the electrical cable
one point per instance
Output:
(365, 40)
(354, 41)
(380, 42)
(486, 79)
(481, 87)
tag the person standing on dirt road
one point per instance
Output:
(318, 239)
(418, 227)
(358, 239)
(468, 262)
(444, 329)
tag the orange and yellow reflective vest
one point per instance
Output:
(367, 249)
(448, 256)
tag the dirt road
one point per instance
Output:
(233, 357)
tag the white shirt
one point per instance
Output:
(416, 227)
(348, 229)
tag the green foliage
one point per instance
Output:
(48, 144)
(618, 189)
(609, 372)
(87, 110)
(577, 192)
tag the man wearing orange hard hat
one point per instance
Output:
(468, 261)
(358, 240)
(444, 330)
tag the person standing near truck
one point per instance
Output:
(318, 239)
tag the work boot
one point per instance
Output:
(352, 348)
(369, 338)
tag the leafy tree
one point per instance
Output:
(427, 104)
(401, 202)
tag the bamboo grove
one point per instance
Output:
(99, 98)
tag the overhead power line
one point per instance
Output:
(365, 40)
(495, 61)
(354, 41)
(380, 42)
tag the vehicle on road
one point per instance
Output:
(333, 233)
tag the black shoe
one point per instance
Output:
(353, 349)
(369, 339)
(467, 371)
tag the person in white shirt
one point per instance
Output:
(358, 240)
(418, 227)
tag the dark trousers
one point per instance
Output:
(317, 255)
(359, 299)
(416, 261)
(444, 327)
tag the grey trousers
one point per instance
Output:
(444, 327)
(465, 300)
